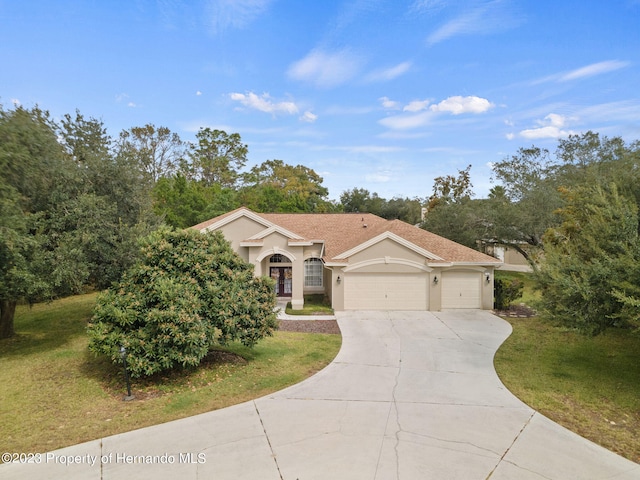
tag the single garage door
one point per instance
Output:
(461, 289)
(386, 291)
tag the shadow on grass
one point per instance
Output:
(112, 380)
(48, 326)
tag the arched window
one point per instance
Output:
(313, 272)
(279, 258)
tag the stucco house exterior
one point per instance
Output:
(359, 260)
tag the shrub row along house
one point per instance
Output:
(359, 260)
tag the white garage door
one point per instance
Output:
(386, 291)
(461, 289)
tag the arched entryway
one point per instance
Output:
(281, 270)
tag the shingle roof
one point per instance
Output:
(342, 232)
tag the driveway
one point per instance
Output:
(411, 395)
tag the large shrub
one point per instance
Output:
(507, 291)
(191, 291)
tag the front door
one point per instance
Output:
(283, 277)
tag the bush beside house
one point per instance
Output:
(189, 293)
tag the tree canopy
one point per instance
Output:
(71, 210)
(590, 276)
(572, 214)
(190, 292)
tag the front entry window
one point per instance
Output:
(283, 277)
(279, 258)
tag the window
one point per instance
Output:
(279, 258)
(313, 272)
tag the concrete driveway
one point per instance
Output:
(411, 395)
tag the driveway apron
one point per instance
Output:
(411, 395)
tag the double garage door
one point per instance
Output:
(404, 291)
(386, 291)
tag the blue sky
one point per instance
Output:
(378, 94)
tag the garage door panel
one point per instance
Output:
(386, 291)
(461, 289)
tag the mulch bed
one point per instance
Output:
(310, 326)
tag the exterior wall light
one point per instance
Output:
(435, 280)
(487, 277)
(338, 280)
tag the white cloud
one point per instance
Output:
(416, 105)
(405, 122)
(550, 127)
(485, 18)
(457, 105)
(421, 113)
(198, 93)
(390, 73)
(388, 103)
(308, 117)
(226, 14)
(15, 102)
(428, 6)
(584, 72)
(326, 69)
(593, 69)
(510, 136)
(264, 103)
(131, 105)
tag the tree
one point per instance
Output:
(111, 207)
(275, 186)
(531, 180)
(463, 221)
(157, 150)
(33, 178)
(217, 157)
(71, 211)
(450, 189)
(360, 200)
(406, 209)
(183, 203)
(190, 292)
(452, 213)
(524, 205)
(590, 277)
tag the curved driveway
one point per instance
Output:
(411, 395)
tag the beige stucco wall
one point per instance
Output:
(337, 289)
(435, 290)
(386, 248)
(487, 290)
(239, 230)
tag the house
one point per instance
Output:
(359, 260)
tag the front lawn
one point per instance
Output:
(591, 385)
(55, 393)
(313, 305)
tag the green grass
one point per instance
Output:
(529, 295)
(55, 393)
(313, 305)
(590, 385)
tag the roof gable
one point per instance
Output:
(219, 222)
(384, 236)
(275, 229)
